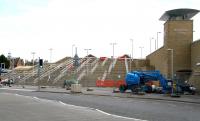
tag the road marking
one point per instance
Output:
(28, 90)
(75, 106)
(62, 103)
(36, 98)
(102, 112)
(135, 119)
(117, 116)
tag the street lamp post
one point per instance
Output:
(172, 62)
(50, 57)
(87, 51)
(141, 51)
(150, 43)
(113, 45)
(33, 53)
(172, 67)
(131, 53)
(157, 38)
(73, 50)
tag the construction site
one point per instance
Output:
(177, 59)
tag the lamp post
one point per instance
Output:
(172, 69)
(131, 53)
(157, 38)
(87, 51)
(33, 53)
(172, 62)
(150, 43)
(113, 45)
(50, 57)
(73, 50)
(141, 51)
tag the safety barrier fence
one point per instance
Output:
(109, 83)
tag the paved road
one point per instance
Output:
(150, 110)
(21, 108)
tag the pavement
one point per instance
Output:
(99, 91)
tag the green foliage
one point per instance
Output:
(3, 59)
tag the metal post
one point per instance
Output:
(87, 51)
(155, 44)
(73, 50)
(13, 69)
(172, 63)
(33, 53)
(150, 43)
(132, 53)
(172, 59)
(172, 67)
(39, 75)
(141, 51)
(9, 56)
(157, 39)
(113, 45)
(50, 62)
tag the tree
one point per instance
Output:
(3, 59)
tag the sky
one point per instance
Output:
(28, 26)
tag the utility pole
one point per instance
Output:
(113, 45)
(131, 59)
(9, 57)
(87, 51)
(50, 62)
(150, 43)
(33, 53)
(141, 51)
(172, 62)
(157, 38)
(155, 44)
(73, 50)
(39, 75)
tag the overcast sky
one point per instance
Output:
(37, 25)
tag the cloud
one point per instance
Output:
(91, 24)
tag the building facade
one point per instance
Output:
(179, 55)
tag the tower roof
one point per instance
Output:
(179, 14)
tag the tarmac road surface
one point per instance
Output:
(14, 107)
(145, 109)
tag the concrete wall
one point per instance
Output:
(158, 59)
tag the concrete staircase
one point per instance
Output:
(72, 73)
(90, 70)
(48, 76)
(119, 71)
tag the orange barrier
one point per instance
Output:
(98, 83)
(109, 83)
